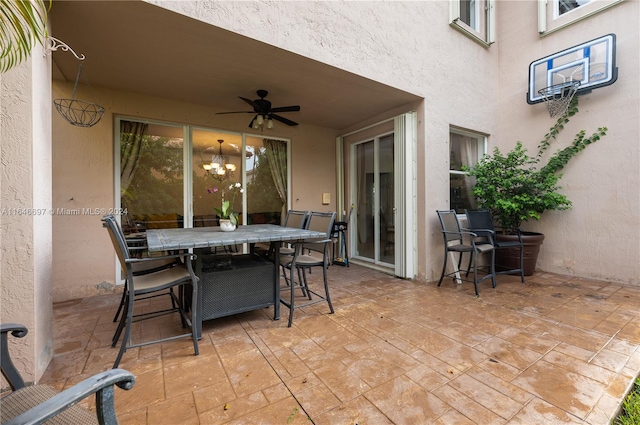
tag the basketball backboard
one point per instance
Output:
(593, 63)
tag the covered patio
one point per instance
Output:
(556, 349)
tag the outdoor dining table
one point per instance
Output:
(200, 238)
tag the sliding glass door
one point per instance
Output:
(373, 179)
(165, 178)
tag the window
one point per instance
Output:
(163, 184)
(557, 14)
(474, 18)
(564, 6)
(465, 149)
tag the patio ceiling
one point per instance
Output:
(138, 47)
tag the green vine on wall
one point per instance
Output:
(512, 186)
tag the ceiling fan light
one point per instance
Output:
(260, 120)
(269, 123)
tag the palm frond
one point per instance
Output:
(22, 25)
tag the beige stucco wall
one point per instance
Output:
(25, 224)
(84, 170)
(598, 237)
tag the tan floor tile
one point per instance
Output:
(453, 417)
(590, 370)
(428, 340)
(405, 402)
(506, 352)
(293, 364)
(522, 337)
(214, 395)
(464, 334)
(235, 409)
(285, 411)
(345, 384)
(500, 385)
(427, 378)
(357, 411)
(178, 410)
(492, 399)
(567, 390)
(317, 400)
(189, 376)
(467, 406)
(148, 390)
(462, 357)
(276, 393)
(136, 417)
(540, 412)
(249, 372)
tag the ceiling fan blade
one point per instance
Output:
(283, 120)
(235, 112)
(257, 107)
(286, 109)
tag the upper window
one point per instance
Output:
(474, 18)
(556, 14)
(564, 6)
(465, 150)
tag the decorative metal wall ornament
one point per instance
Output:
(77, 112)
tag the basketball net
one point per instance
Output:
(558, 97)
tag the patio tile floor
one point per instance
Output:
(556, 349)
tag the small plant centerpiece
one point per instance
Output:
(515, 187)
(228, 218)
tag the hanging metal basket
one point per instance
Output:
(79, 112)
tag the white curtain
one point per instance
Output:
(468, 157)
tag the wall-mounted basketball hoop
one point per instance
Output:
(77, 112)
(557, 78)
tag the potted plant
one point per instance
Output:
(228, 218)
(515, 187)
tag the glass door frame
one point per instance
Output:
(353, 178)
(187, 131)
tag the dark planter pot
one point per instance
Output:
(507, 259)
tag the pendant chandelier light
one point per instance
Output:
(220, 167)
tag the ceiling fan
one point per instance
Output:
(264, 112)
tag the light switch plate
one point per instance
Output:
(326, 198)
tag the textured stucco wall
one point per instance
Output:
(25, 225)
(83, 178)
(598, 237)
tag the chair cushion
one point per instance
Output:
(147, 266)
(460, 248)
(484, 247)
(308, 260)
(160, 280)
(26, 398)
